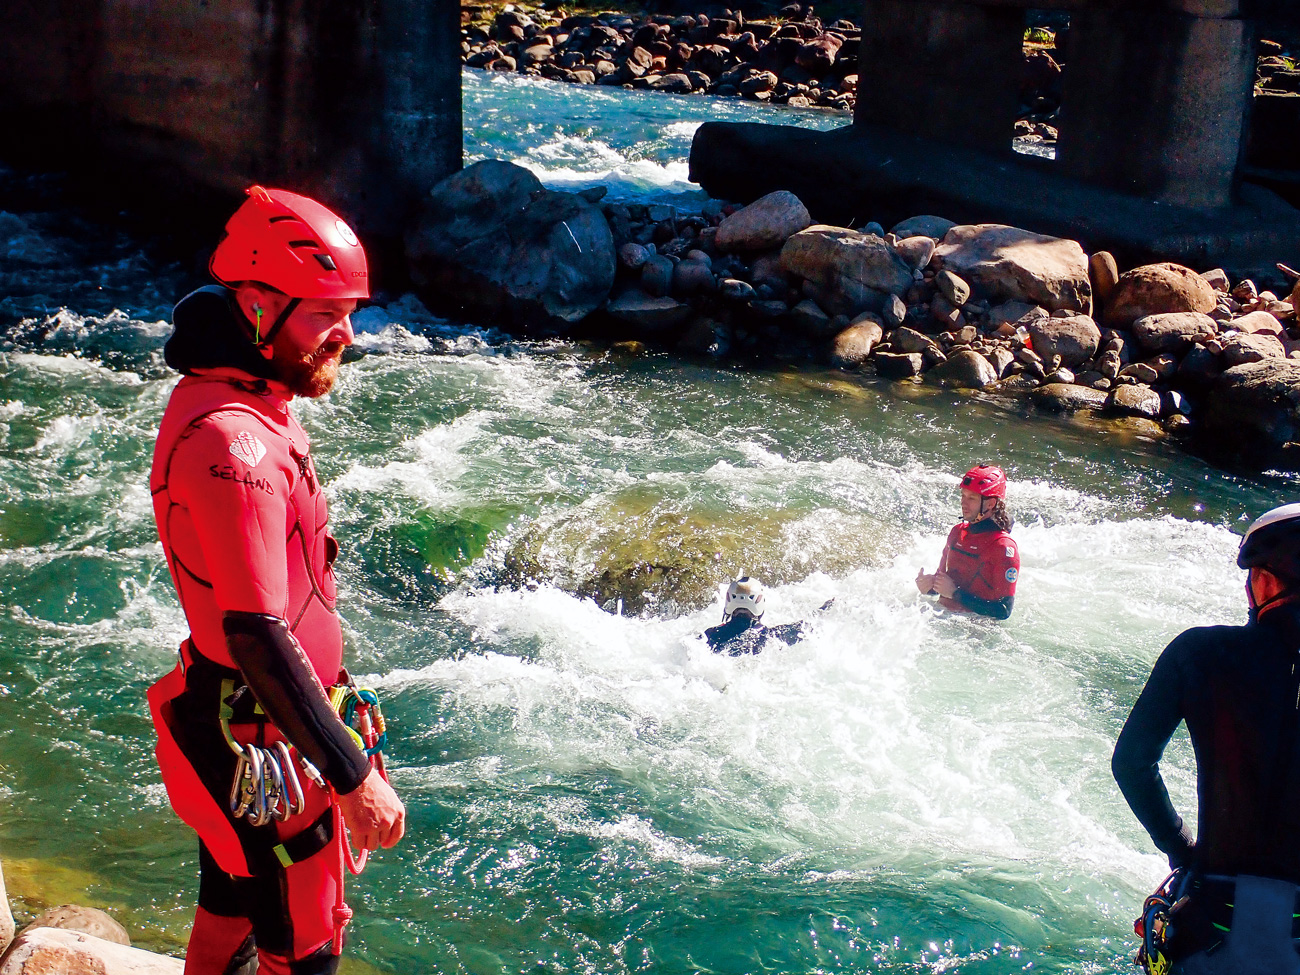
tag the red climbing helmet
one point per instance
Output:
(986, 480)
(293, 244)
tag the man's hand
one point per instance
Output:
(373, 814)
(925, 582)
(944, 585)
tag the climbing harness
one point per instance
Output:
(266, 787)
(1155, 926)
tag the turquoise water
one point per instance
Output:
(903, 791)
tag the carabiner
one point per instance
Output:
(295, 800)
(239, 796)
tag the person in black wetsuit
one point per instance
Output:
(1238, 690)
(741, 630)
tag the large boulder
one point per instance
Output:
(1172, 331)
(87, 920)
(767, 222)
(51, 951)
(493, 244)
(852, 272)
(1074, 339)
(964, 369)
(1251, 416)
(1008, 264)
(853, 345)
(1068, 398)
(1135, 399)
(1155, 289)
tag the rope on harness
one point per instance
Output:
(361, 714)
(1154, 927)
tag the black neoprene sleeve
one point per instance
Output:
(999, 609)
(285, 685)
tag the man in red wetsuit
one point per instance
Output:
(980, 564)
(244, 525)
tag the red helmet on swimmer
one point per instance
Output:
(292, 244)
(986, 480)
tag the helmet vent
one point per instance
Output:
(304, 243)
(326, 262)
(281, 218)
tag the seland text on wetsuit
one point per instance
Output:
(984, 563)
(1238, 690)
(244, 526)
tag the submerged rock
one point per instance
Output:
(493, 244)
(668, 555)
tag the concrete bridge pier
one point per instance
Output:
(354, 101)
(1156, 103)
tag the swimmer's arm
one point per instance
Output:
(999, 609)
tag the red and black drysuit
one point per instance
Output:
(244, 525)
(984, 564)
(1238, 690)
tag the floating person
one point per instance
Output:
(980, 562)
(244, 526)
(742, 630)
(1238, 690)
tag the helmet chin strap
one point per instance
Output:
(278, 323)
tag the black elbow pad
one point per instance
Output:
(285, 685)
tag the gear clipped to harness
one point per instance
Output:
(1155, 926)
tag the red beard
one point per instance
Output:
(311, 375)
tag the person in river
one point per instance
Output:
(742, 630)
(980, 563)
(244, 527)
(1238, 690)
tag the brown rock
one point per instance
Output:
(1068, 398)
(1156, 289)
(1008, 264)
(767, 222)
(1103, 272)
(910, 340)
(88, 920)
(1172, 331)
(51, 951)
(1251, 416)
(1140, 372)
(893, 365)
(922, 226)
(953, 288)
(853, 346)
(1243, 348)
(692, 277)
(1135, 399)
(916, 251)
(1217, 279)
(1074, 339)
(1256, 321)
(964, 369)
(852, 271)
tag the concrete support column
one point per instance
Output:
(1155, 103)
(943, 71)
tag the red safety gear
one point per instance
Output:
(982, 560)
(294, 245)
(986, 480)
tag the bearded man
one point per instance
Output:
(254, 756)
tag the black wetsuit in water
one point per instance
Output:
(1238, 689)
(741, 635)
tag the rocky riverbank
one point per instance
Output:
(74, 940)
(996, 309)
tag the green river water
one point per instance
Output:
(903, 791)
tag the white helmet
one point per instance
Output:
(745, 595)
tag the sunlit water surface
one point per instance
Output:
(903, 791)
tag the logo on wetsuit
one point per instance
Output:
(248, 448)
(1012, 575)
(227, 473)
